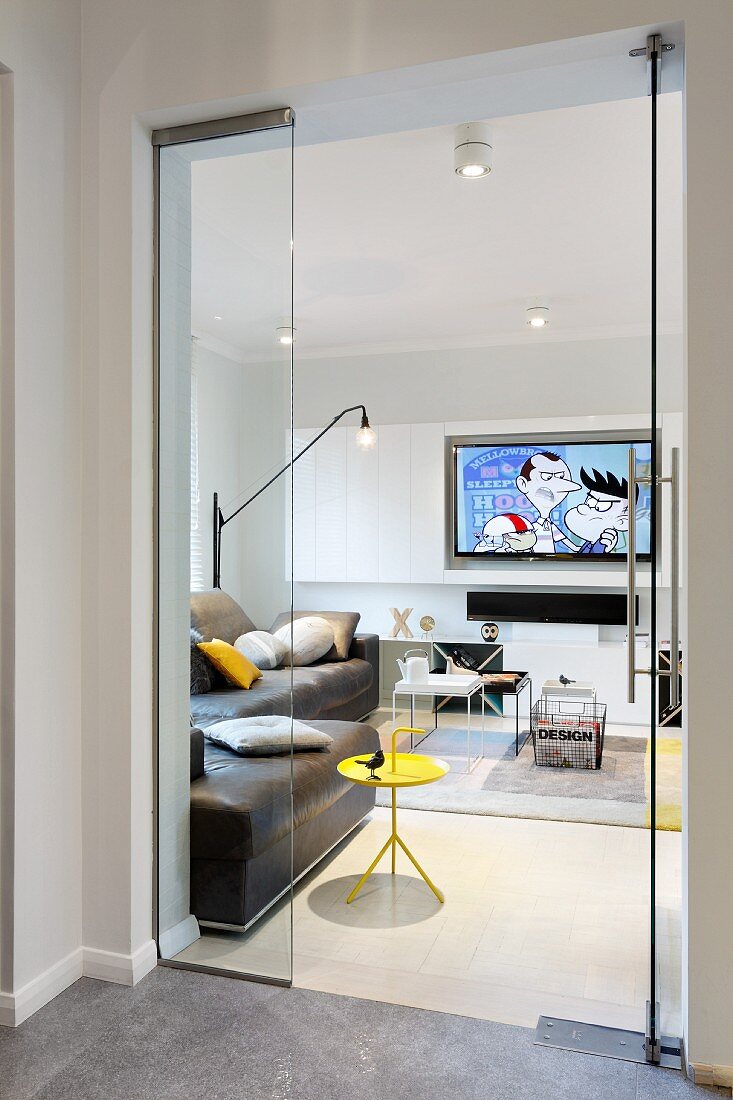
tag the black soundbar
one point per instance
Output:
(548, 607)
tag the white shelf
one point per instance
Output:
(417, 642)
(547, 578)
(539, 643)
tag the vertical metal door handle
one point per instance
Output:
(631, 582)
(674, 580)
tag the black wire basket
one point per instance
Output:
(568, 733)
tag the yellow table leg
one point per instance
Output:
(368, 872)
(410, 856)
(393, 840)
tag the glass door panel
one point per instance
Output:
(670, 725)
(419, 289)
(224, 498)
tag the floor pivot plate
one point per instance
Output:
(608, 1042)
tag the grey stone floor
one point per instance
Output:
(185, 1036)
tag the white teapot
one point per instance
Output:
(415, 668)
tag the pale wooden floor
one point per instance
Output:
(539, 917)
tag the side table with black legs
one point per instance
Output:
(511, 683)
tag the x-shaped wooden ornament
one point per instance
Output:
(400, 622)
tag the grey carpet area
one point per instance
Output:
(185, 1036)
(619, 779)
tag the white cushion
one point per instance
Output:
(269, 735)
(262, 648)
(312, 639)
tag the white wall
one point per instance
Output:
(244, 413)
(519, 383)
(539, 377)
(40, 506)
(143, 57)
(220, 401)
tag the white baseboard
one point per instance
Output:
(89, 962)
(112, 966)
(17, 1007)
(178, 938)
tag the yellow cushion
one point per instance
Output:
(231, 663)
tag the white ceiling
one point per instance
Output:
(393, 251)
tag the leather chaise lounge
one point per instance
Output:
(241, 809)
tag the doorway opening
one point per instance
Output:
(400, 480)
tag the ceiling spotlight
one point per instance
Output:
(285, 332)
(538, 314)
(217, 317)
(472, 151)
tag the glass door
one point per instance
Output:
(494, 316)
(224, 498)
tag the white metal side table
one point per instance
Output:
(447, 686)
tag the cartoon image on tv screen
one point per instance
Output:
(568, 499)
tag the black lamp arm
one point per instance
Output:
(219, 521)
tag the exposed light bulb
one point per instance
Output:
(366, 437)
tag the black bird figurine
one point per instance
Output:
(564, 680)
(377, 761)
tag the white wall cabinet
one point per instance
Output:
(330, 495)
(393, 504)
(373, 515)
(379, 516)
(427, 503)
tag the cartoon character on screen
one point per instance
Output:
(603, 514)
(506, 534)
(545, 481)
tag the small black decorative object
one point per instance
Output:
(489, 632)
(463, 659)
(564, 680)
(377, 761)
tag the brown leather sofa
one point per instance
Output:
(244, 825)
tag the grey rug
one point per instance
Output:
(504, 786)
(619, 779)
(184, 1036)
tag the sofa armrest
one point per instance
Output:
(197, 753)
(366, 647)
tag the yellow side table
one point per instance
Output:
(400, 769)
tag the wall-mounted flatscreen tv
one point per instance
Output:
(563, 500)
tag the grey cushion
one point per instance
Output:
(263, 649)
(268, 735)
(344, 625)
(203, 676)
(216, 615)
(316, 689)
(310, 638)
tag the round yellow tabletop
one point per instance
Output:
(411, 770)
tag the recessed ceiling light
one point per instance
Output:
(217, 317)
(472, 150)
(538, 314)
(285, 332)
